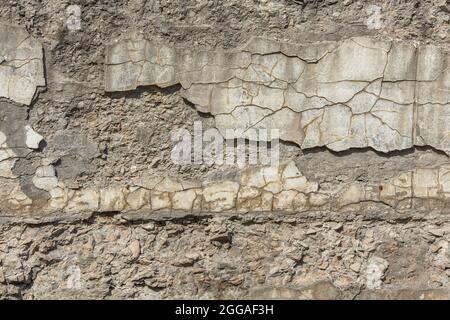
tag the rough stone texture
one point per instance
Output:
(324, 256)
(92, 206)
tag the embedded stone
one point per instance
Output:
(184, 200)
(112, 199)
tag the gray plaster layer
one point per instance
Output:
(357, 93)
(21, 64)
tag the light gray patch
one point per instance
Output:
(63, 144)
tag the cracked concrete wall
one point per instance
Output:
(91, 204)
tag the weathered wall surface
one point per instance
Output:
(93, 205)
